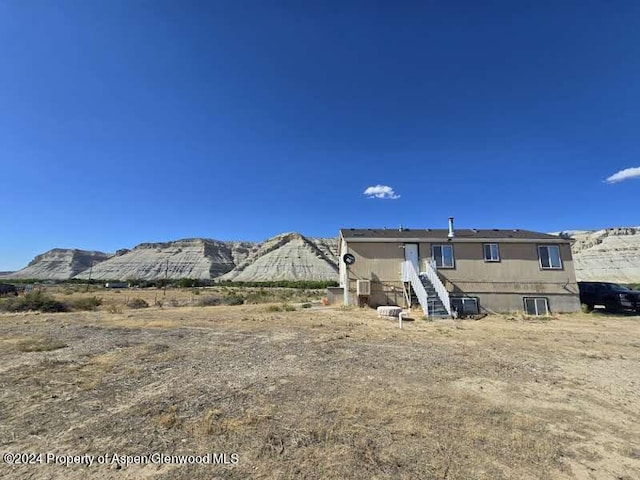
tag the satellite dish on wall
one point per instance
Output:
(348, 259)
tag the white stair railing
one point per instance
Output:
(409, 274)
(432, 275)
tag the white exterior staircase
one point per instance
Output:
(429, 290)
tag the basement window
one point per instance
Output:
(443, 256)
(465, 305)
(536, 306)
(491, 252)
(549, 257)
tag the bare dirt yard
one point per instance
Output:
(317, 393)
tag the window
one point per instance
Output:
(465, 305)
(491, 252)
(536, 306)
(549, 256)
(443, 256)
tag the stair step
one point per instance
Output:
(435, 306)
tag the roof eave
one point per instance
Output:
(455, 240)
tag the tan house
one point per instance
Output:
(451, 272)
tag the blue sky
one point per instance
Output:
(124, 121)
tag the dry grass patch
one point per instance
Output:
(91, 375)
(170, 419)
(430, 436)
(114, 308)
(40, 344)
(161, 323)
(332, 394)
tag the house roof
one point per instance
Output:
(442, 234)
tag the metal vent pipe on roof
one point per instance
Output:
(451, 232)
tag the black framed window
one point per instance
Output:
(549, 257)
(443, 256)
(536, 306)
(491, 252)
(465, 305)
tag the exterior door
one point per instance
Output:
(411, 254)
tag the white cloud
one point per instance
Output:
(625, 174)
(381, 191)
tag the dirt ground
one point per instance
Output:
(317, 393)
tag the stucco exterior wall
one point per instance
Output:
(376, 261)
(500, 286)
(514, 302)
(519, 264)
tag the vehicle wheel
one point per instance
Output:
(587, 307)
(611, 306)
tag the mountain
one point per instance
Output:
(289, 256)
(59, 264)
(188, 258)
(610, 254)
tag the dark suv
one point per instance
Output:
(612, 296)
(8, 289)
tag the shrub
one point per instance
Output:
(285, 307)
(33, 301)
(306, 305)
(234, 300)
(187, 283)
(257, 297)
(303, 284)
(209, 301)
(86, 303)
(137, 303)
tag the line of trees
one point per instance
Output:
(185, 283)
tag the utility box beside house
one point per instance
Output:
(459, 271)
(363, 288)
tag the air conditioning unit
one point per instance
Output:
(364, 287)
